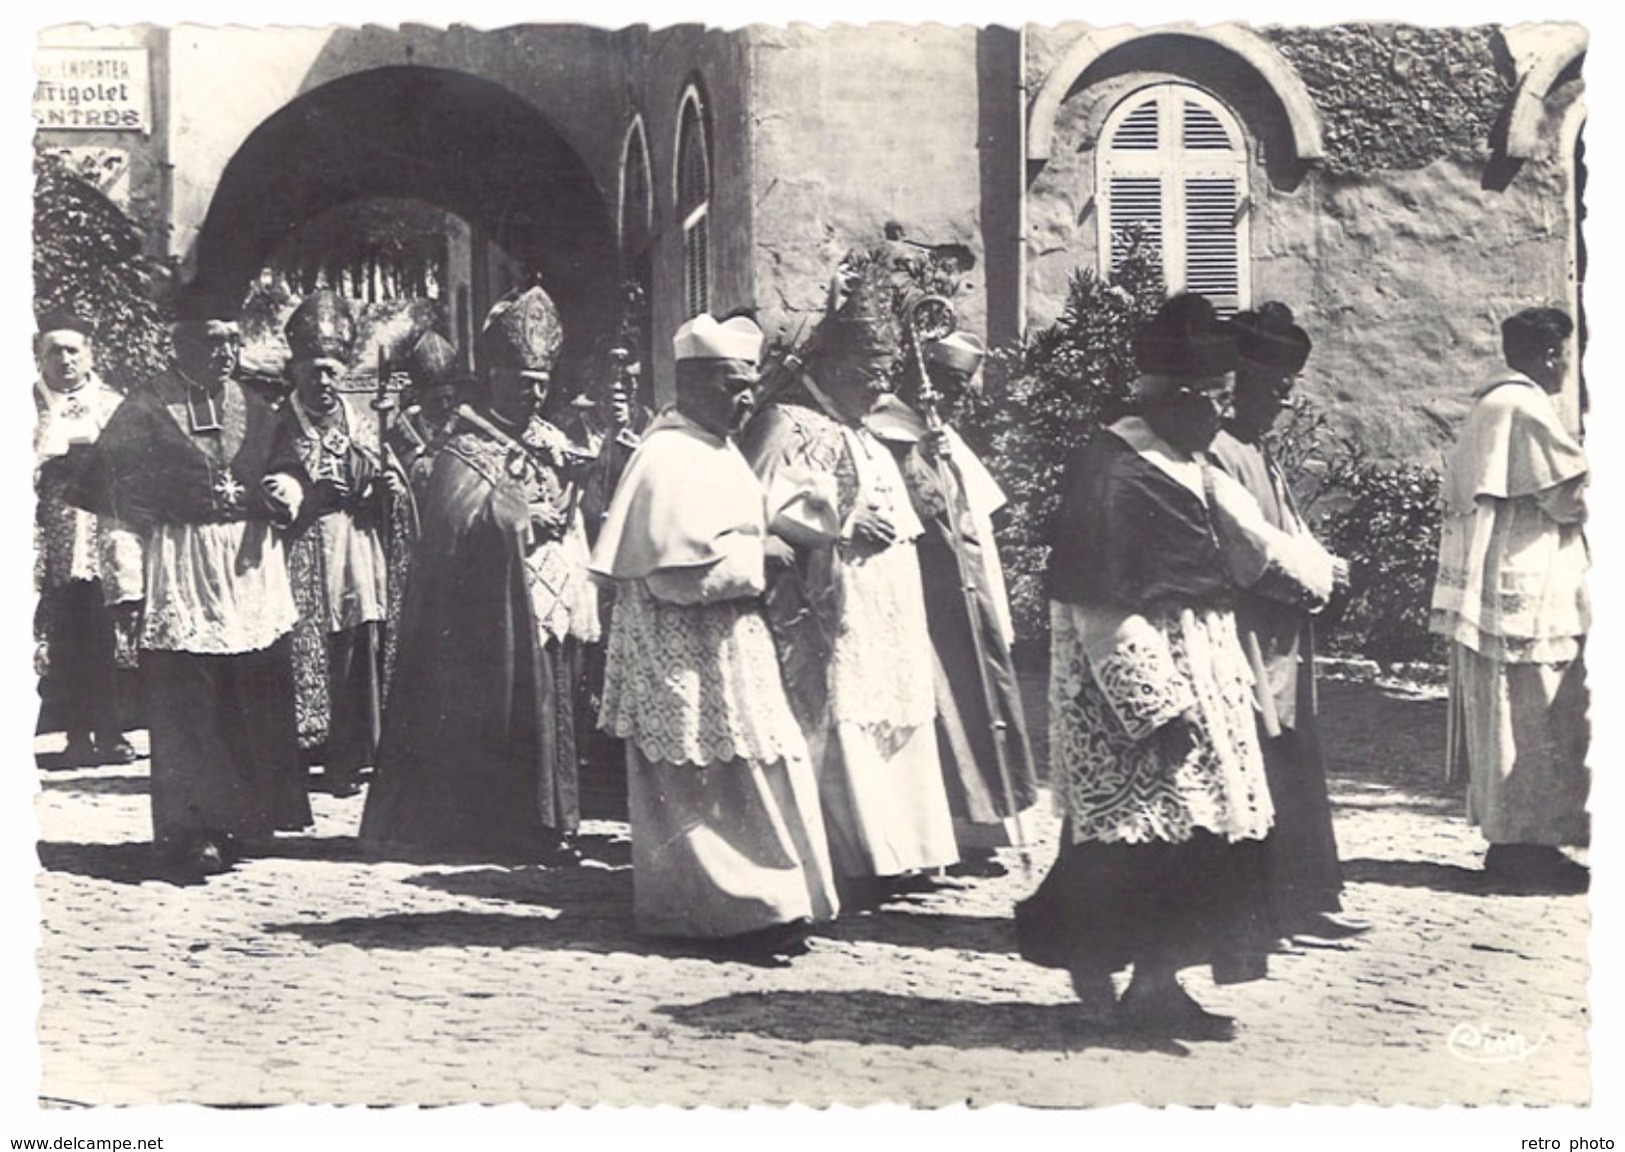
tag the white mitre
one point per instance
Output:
(702, 338)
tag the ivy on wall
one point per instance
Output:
(1396, 96)
(89, 257)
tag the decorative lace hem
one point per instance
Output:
(696, 684)
(1116, 787)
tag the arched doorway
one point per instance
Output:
(457, 141)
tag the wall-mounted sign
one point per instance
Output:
(91, 89)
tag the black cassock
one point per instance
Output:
(471, 760)
(225, 757)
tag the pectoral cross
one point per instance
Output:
(229, 490)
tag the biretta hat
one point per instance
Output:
(65, 320)
(522, 331)
(1185, 338)
(322, 327)
(431, 361)
(206, 306)
(704, 338)
(1541, 328)
(960, 351)
(1270, 338)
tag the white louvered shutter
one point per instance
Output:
(1172, 160)
(1212, 257)
(1135, 200)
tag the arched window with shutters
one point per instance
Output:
(694, 201)
(1173, 160)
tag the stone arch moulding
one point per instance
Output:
(382, 132)
(1256, 52)
(693, 94)
(636, 143)
(1562, 47)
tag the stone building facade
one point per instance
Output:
(1402, 188)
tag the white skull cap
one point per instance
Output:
(702, 338)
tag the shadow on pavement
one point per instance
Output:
(1442, 878)
(924, 930)
(605, 929)
(132, 862)
(609, 851)
(97, 785)
(860, 1017)
(136, 861)
(563, 888)
(409, 931)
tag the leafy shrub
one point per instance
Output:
(1384, 520)
(1380, 516)
(1065, 383)
(90, 256)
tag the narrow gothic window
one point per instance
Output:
(694, 203)
(1172, 160)
(636, 203)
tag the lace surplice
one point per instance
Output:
(1141, 634)
(696, 684)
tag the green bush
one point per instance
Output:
(90, 256)
(1051, 396)
(1384, 519)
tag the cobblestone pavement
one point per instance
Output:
(323, 975)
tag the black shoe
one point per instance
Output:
(1174, 1014)
(1239, 967)
(80, 752)
(727, 952)
(197, 858)
(1501, 862)
(560, 855)
(120, 751)
(984, 867)
(769, 947)
(1535, 869)
(911, 882)
(792, 937)
(775, 942)
(859, 894)
(1562, 876)
(1097, 996)
(343, 789)
(1326, 926)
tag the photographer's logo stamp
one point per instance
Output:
(1493, 1044)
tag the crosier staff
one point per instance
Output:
(623, 390)
(383, 404)
(932, 318)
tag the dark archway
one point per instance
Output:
(455, 140)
